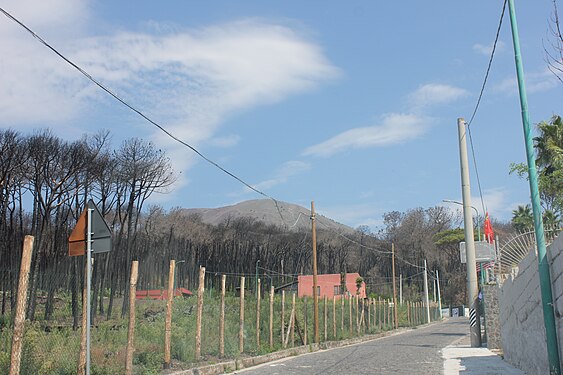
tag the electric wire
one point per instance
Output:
(192, 148)
(489, 65)
(139, 112)
(479, 102)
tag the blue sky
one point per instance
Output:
(351, 104)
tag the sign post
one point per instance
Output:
(90, 235)
(88, 285)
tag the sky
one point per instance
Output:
(353, 105)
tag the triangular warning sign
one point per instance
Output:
(101, 234)
(77, 239)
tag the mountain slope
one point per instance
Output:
(290, 216)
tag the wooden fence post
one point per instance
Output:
(305, 319)
(258, 313)
(369, 315)
(326, 318)
(379, 313)
(271, 317)
(200, 292)
(351, 325)
(168, 321)
(131, 329)
(334, 317)
(293, 316)
(222, 318)
(284, 342)
(241, 317)
(343, 301)
(19, 320)
(357, 306)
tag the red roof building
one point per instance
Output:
(329, 285)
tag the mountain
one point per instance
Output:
(286, 215)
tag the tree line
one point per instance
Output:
(45, 183)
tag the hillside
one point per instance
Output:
(294, 217)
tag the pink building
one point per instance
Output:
(329, 285)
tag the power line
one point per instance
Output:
(489, 65)
(479, 102)
(140, 113)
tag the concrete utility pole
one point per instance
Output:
(472, 289)
(439, 298)
(315, 294)
(426, 299)
(543, 264)
(394, 288)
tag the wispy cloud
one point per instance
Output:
(495, 201)
(435, 93)
(283, 174)
(396, 128)
(535, 82)
(225, 141)
(487, 49)
(354, 215)
(190, 81)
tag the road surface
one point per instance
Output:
(414, 352)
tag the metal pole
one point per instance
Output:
(401, 289)
(439, 298)
(426, 299)
(394, 287)
(88, 284)
(476, 214)
(472, 288)
(543, 265)
(315, 294)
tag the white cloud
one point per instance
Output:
(283, 174)
(354, 215)
(225, 141)
(435, 93)
(37, 87)
(396, 128)
(536, 82)
(487, 49)
(189, 81)
(495, 201)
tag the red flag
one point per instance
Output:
(489, 233)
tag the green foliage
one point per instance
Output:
(57, 351)
(522, 218)
(549, 162)
(359, 281)
(450, 236)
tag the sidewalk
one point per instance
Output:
(461, 358)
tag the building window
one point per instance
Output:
(337, 290)
(318, 290)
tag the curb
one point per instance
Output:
(242, 363)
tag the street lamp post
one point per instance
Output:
(476, 213)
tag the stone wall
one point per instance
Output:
(521, 313)
(492, 314)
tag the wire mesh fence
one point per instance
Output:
(269, 322)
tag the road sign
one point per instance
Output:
(101, 234)
(484, 252)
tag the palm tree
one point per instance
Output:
(549, 149)
(522, 218)
(549, 145)
(551, 219)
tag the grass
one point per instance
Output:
(57, 351)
